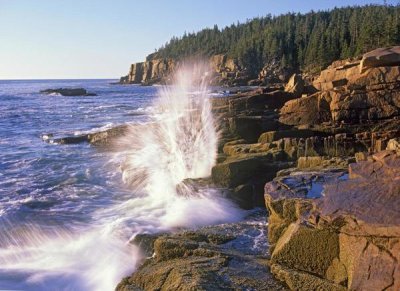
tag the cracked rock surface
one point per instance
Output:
(223, 257)
(348, 238)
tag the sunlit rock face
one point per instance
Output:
(351, 91)
(349, 237)
(220, 68)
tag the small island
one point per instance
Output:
(67, 92)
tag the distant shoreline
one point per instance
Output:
(50, 79)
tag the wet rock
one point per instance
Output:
(257, 101)
(106, 137)
(244, 196)
(285, 199)
(239, 149)
(68, 92)
(70, 139)
(145, 242)
(101, 138)
(250, 127)
(222, 257)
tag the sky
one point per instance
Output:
(78, 39)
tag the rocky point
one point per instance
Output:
(322, 153)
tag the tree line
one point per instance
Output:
(308, 41)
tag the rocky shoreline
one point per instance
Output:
(322, 154)
(223, 257)
(346, 239)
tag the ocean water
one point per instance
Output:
(68, 212)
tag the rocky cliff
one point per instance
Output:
(222, 71)
(149, 72)
(327, 230)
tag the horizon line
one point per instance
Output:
(60, 79)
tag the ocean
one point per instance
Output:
(67, 212)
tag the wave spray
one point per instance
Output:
(159, 162)
(180, 144)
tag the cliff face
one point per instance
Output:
(352, 91)
(223, 71)
(149, 72)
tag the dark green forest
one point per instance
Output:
(300, 41)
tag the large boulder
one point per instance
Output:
(295, 85)
(101, 138)
(381, 57)
(337, 75)
(351, 91)
(310, 110)
(245, 174)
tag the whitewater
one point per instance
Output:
(68, 213)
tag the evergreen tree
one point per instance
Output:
(300, 41)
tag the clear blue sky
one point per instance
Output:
(99, 38)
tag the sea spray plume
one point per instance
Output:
(179, 143)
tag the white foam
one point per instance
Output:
(179, 143)
(107, 126)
